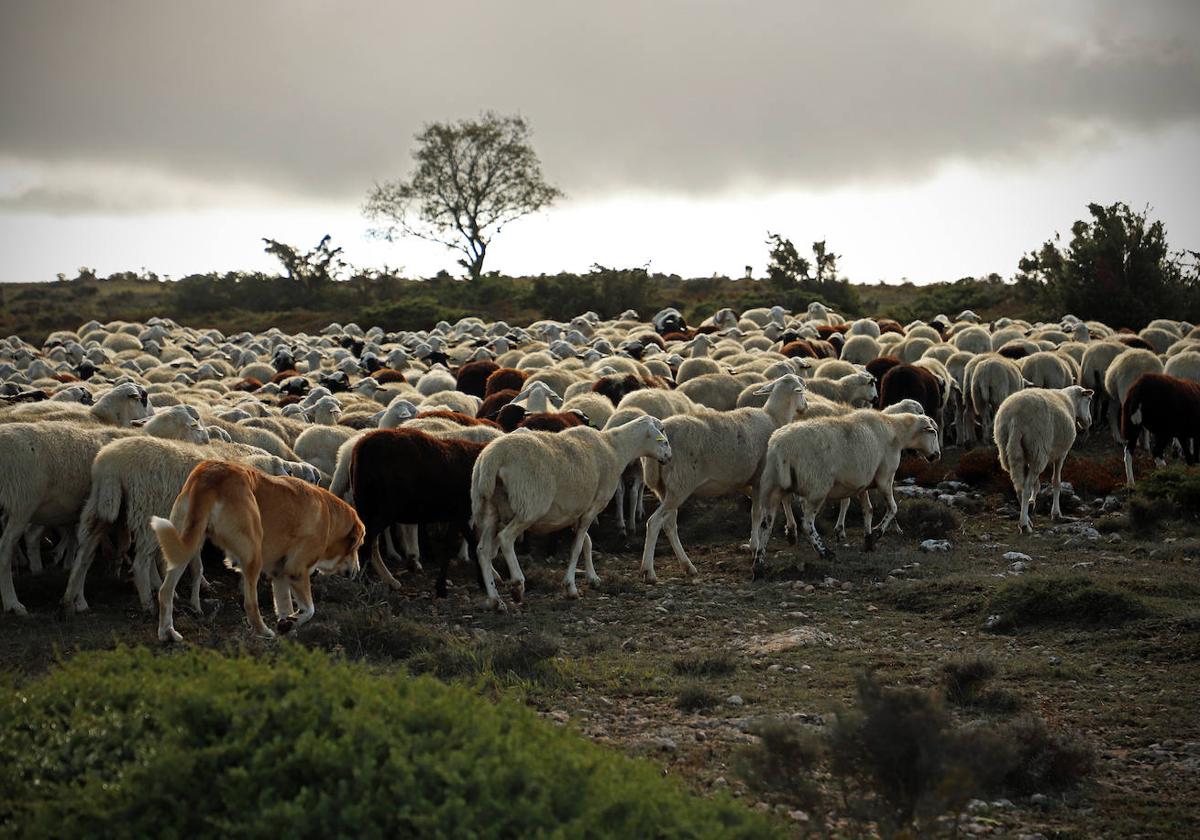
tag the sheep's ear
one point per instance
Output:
(1026, 383)
(555, 399)
(1087, 392)
(139, 423)
(765, 388)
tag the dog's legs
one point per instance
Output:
(166, 605)
(282, 592)
(301, 586)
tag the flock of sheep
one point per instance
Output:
(497, 430)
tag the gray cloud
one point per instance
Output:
(319, 99)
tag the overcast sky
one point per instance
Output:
(927, 140)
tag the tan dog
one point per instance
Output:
(282, 526)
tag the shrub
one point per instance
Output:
(1045, 760)
(696, 698)
(981, 469)
(1095, 476)
(927, 519)
(200, 744)
(964, 680)
(900, 745)
(925, 473)
(783, 762)
(1177, 484)
(705, 664)
(1076, 601)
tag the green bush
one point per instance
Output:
(1075, 601)
(1178, 485)
(783, 762)
(696, 698)
(927, 519)
(132, 744)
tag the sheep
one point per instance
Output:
(541, 483)
(698, 364)
(834, 457)
(658, 403)
(990, 380)
(1046, 369)
(1169, 409)
(860, 349)
(121, 406)
(472, 377)
(454, 401)
(834, 369)
(1034, 429)
(1185, 365)
(1126, 369)
(918, 383)
(716, 453)
(46, 475)
(596, 407)
(857, 388)
(318, 445)
(504, 379)
(1092, 369)
(409, 477)
(718, 391)
(973, 339)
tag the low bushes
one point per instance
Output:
(134, 744)
(1076, 601)
(927, 519)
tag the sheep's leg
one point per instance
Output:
(144, 559)
(619, 504)
(873, 537)
(639, 485)
(1128, 466)
(485, 553)
(1022, 485)
(15, 527)
(791, 530)
(166, 605)
(507, 537)
(864, 500)
(87, 538)
(411, 536)
(281, 591)
(389, 546)
(810, 526)
(672, 526)
(762, 522)
(33, 547)
(380, 567)
(1055, 510)
(589, 570)
(64, 549)
(839, 528)
(653, 525)
(573, 559)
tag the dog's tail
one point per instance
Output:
(180, 536)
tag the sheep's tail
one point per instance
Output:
(104, 503)
(1131, 416)
(1014, 457)
(179, 544)
(484, 478)
(339, 484)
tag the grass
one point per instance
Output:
(927, 519)
(696, 698)
(1062, 600)
(719, 664)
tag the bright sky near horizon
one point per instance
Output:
(924, 140)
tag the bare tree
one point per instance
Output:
(472, 178)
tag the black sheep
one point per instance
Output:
(1169, 409)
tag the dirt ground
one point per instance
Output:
(790, 646)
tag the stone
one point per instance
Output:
(935, 545)
(735, 700)
(1013, 556)
(1018, 567)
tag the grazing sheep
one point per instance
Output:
(659, 403)
(541, 483)
(1126, 369)
(46, 475)
(860, 349)
(1035, 428)
(854, 389)
(318, 445)
(505, 379)
(1169, 409)
(835, 457)
(716, 453)
(473, 376)
(597, 408)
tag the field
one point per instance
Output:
(683, 673)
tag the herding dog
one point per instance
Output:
(282, 526)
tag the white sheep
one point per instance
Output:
(1034, 429)
(1185, 365)
(1126, 369)
(699, 364)
(716, 453)
(855, 389)
(541, 482)
(318, 445)
(119, 407)
(1047, 369)
(860, 349)
(46, 475)
(990, 380)
(835, 457)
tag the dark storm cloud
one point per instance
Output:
(319, 99)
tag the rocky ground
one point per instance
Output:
(681, 672)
